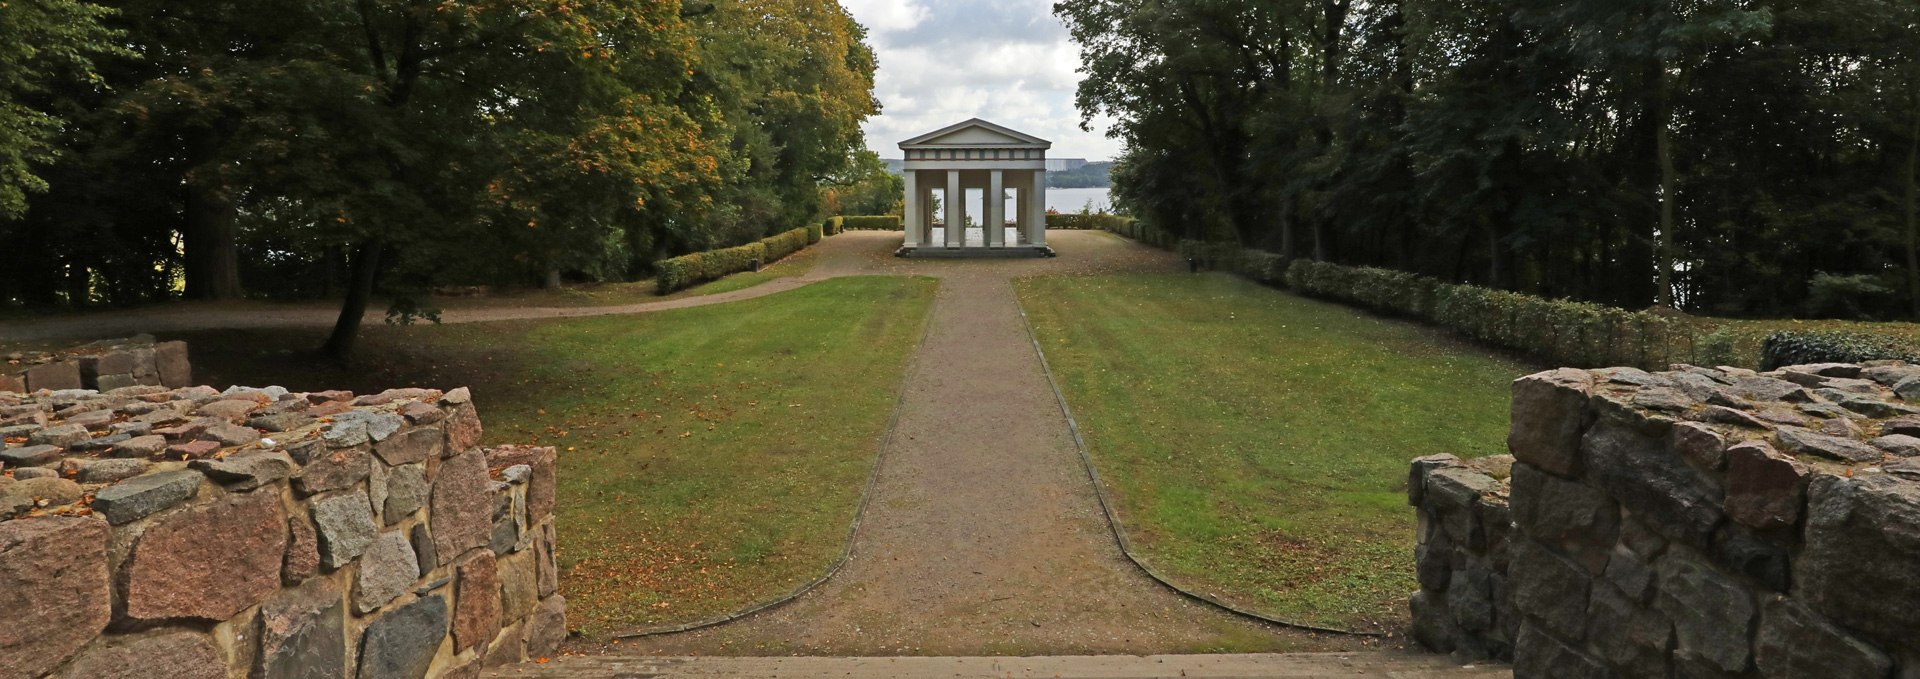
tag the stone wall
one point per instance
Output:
(190, 533)
(1696, 523)
(1460, 557)
(103, 366)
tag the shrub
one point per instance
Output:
(1214, 256)
(678, 273)
(1720, 347)
(1859, 296)
(1558, 330)
(815, 232)
(1384, 290)
(1101, 222)
(873, 223)
(1564, 331)
(833, 226)
(785, 243)
(1262, 266)
(1124, 226)
(1789, 347)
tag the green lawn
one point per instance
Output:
(711, 457)
(1257, 442)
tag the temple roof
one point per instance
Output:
(976, 133)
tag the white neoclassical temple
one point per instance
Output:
(959, 159)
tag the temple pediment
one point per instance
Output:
(976, 133)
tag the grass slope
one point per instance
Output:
(1257, 442)
(710, 458)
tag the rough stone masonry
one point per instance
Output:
(190, 533)
(1699, 522)
(104, 366)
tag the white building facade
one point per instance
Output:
(959, 159)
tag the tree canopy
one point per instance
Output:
(1733, 157)
(51, 45)
(340, 147)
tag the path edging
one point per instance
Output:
(853, 528)
(1113, 519)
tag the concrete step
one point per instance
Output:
(1376, 665)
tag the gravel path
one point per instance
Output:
(984, 536)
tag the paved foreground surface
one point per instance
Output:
(1373, 664)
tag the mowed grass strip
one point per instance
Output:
(1256, 443)
(711, 458)
(716, 455)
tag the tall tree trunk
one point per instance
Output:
(79, 285)
(209, 221)
(212, 235)
(552, 281)
(366, 267)
(1663, 252)
(1496, 262)
(332, 260)
(1332, 49)
(1286, 230)
(1913, 211)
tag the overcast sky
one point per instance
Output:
(944, 61)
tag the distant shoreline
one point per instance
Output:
(1080, 173)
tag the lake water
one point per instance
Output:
(1058, 200)
(1074, 200)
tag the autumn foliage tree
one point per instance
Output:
(50, 45)
(367, 147)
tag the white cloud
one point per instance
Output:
(1008, 61)
(886, 16)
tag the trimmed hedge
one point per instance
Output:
(833, 226)
(786, 243)
(681, 272)
(1099, 222)
(685, 271)
(815, 232)
(1262, 266)
(873, 223)
(1561, 331)
(1789, 347)
(1123, 226)
(1383, 290)
(1258, 265)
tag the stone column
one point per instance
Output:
(1021, 213)
(956, 210)
(996, 204)
(926, 212)
(1037, 209)
(911, 212)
